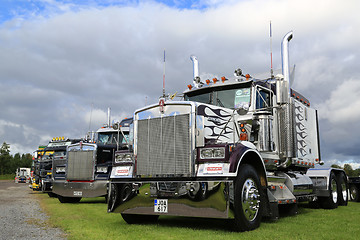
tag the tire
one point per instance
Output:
(69, 199)
(332, 201)
(137, 218)
(342, 190)
(354, 193)
(247, 205)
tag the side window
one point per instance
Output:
(263, 99)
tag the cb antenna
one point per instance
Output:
(271, 61)
(164, 77)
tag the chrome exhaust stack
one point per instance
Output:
(283, 81)
(109, 118)
(285, 56)
(196, 76)
(285, 112)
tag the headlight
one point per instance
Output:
(101, 169)
(123, 157)
(60, 170)
(212, 153)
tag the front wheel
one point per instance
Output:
(247, 205)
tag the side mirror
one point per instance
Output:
(242, 108)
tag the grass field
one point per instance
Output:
(7, 177)
(89, 220)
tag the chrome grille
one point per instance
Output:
(163, 146)
(80, 165)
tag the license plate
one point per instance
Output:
(161, 205)
(78, 193)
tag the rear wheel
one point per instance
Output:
(331, 201)
(354, 193)
(342, 190)
(137, 218)
(247, 205)
(69, 199)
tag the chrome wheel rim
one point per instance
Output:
(334, 193)
(344, 191)
(250, 200)
(353, 193)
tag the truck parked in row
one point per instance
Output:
(236, 149)
(22, 175)
(85, 171)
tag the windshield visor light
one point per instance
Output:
(60, 169)
(101, 169)
(123, 157)
(212, 153)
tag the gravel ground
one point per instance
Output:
(21, 216)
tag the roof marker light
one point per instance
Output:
(215, 80)
(247, 76)
(207, 81)
(189, 86)
(223, 79)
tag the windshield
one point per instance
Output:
(228, 98)
(111, 138)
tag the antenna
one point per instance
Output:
(164, 77)
(92, 106)
(271, 66)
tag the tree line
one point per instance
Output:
(9, 163)
(348, 170)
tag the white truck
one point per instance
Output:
(22, 175)
(236, 149)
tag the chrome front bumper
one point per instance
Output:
(81, 189)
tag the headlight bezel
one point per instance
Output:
(101, 169)
(213, 153)
(60, 169)
(124, 157)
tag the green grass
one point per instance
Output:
(89, 220)
(7, 177)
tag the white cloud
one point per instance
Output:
(55, 63)
(343, 105)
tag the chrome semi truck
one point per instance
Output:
(238, 149)
(84, 173)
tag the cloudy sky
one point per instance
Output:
(63, 63)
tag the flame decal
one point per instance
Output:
(215, 123)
